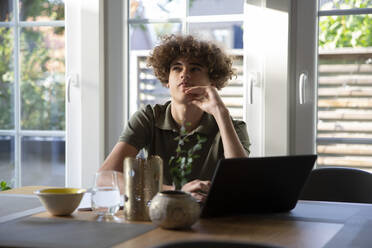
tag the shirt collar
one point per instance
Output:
(165, 121)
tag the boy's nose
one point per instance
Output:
(185, 74)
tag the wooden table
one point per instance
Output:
(286, 232)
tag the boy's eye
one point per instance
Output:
(176, 68)
(195, 69)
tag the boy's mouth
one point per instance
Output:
(184, 84)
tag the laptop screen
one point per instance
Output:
(257, 185)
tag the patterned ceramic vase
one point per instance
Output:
(174, 209)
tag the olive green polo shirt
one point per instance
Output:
(153, 129)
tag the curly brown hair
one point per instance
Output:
(218, 63)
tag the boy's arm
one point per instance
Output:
(207, 99)
(114, 160)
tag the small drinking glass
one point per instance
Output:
(106, 193)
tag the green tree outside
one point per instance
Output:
(348, 30)
(6, 79)
(43, 91)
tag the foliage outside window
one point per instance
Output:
(346, 30)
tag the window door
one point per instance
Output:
(303, 51)
(337, 126)
(32, 92)
(344, 124)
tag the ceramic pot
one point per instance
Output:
(173, 209)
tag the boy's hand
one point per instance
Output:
(206, 98)
(198, 189)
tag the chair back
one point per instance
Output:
(338, 184)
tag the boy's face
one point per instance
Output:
(185, 73)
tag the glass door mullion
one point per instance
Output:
(337, 12)
(41, 24)
(149, 21)
(215, 18)
(17, 97)
(7, 25)
(46, 133)
(126, 56)
(185, 24)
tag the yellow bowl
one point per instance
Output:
(60, 201)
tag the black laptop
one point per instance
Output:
(257, 185)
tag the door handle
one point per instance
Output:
(253, 81)
(72, 80)
(302, 87)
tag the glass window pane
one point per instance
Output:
(42, 10)
(150, 9)
(149, 90)
(6, 10)
(43, 161)
(344, 127)
(344, 4)
(43, 78)
(7, 166)
(6, 79)
(230, 34)
(233, 93)
(145, 36)
(144, 87)
(345, 31)
(215, 7)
